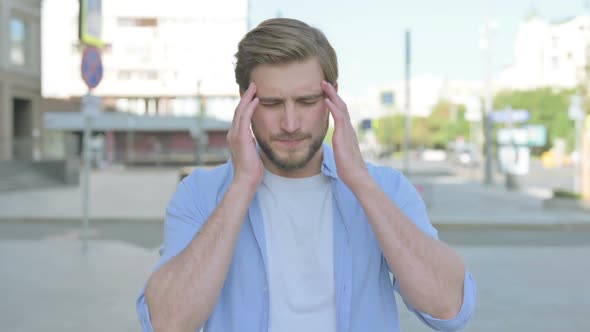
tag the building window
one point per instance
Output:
(123, 75)
(18, 41)
(137, 22)
(140, 75)
(555, 63)
(555, 42)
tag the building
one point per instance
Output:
(549, 54)
(173, 57)
(20, 79)
(425, 92)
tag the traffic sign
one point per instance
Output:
(387, 98)
(510, 116)
(575, 110)
(91, 67)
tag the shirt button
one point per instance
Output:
(265, 289)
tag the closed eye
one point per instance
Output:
(273, 104)
(309, 102)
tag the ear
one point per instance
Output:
(241, 93)
(336, 86)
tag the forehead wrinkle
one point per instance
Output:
(311, 97)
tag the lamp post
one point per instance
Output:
(486, 46)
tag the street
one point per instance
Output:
(530, 263)
(149, 235)
(527, 280)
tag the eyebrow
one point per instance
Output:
(301, 98)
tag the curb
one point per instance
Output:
(78, 220)
(514, 226)
(439, 225)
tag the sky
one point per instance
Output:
(368, 35)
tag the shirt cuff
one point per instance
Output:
(462, 318)
(143, 313)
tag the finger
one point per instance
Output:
(245, 100)
(335, 111)
(246, 117)
(333, 95)
(247, 96)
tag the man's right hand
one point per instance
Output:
(248, 167)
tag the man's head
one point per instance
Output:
(282, 40)
(287, 59)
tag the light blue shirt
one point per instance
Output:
(365, 298)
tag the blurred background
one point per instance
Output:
(106, 104)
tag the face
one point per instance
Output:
(291, 120)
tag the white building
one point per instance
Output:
(158, 56)
(425, 93)
(547, 54)
(20, 79)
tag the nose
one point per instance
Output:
(290, 121)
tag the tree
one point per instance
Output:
(390, 130)
(548, 107)
(446, 123)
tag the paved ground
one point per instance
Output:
(51, 284)
(538, 289)
(142, 194)
(116, 194)
(531, 264)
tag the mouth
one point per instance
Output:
(290, 142)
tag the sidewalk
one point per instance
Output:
(96, 290)
(456, 202)
(141, 195)
(115, 195)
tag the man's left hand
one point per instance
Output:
(352, 169)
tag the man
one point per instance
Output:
(290, 235)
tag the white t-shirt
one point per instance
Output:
(298, 226)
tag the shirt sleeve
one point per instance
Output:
(461, 319)
(184, 218)
(411, 203)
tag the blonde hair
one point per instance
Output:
(283, 40)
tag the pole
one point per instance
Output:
(248, 12)
(488, 106)
(486, 45)
(201, 136)
(578, 164)
(86, 175)
(408, 121)
(510, 168)
(585, 158)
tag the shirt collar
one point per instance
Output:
(328, 162)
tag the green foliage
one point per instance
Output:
(445, 123)
(548, 107)
(329, 133)
(563, 193)
(390, 130)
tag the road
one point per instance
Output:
(538, 177)
(149, 235)
(527, 280)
